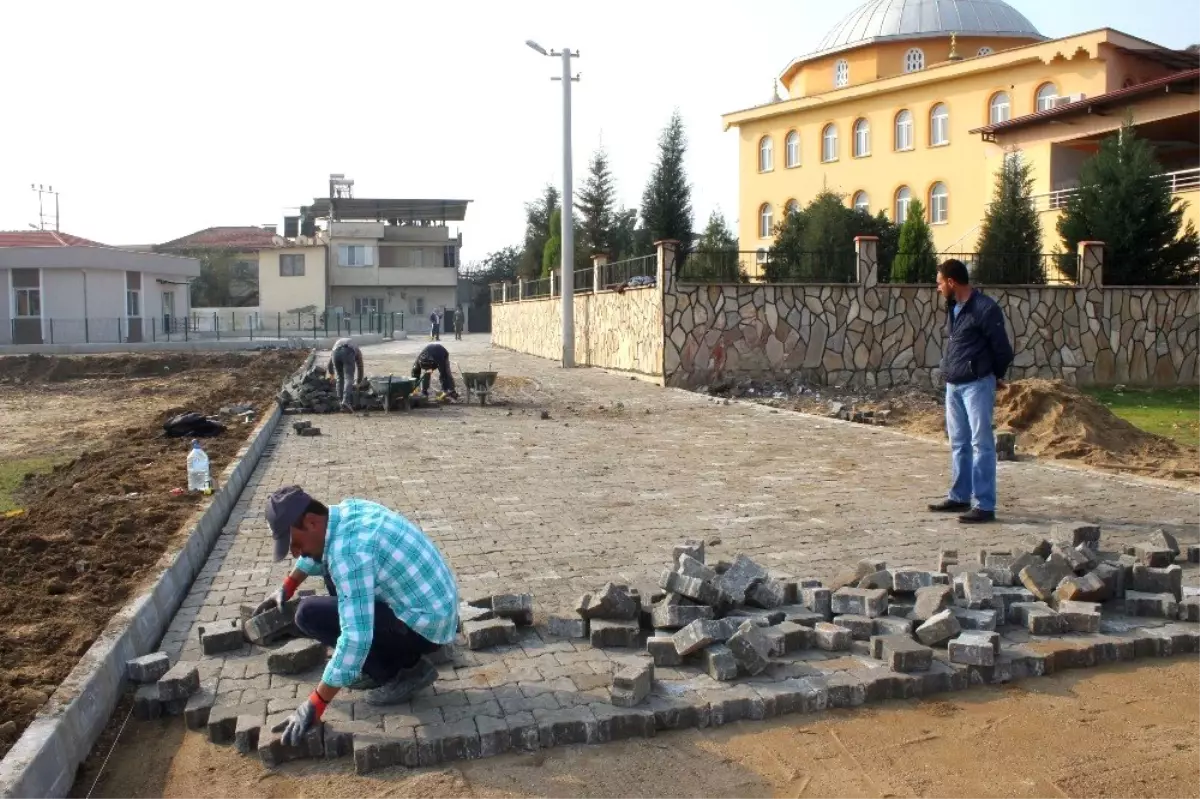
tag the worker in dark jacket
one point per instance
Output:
(975, 357)
(434, 356)
(346, 364)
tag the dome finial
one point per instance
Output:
(954, 56)
(775, 98)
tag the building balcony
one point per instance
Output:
(1183, 180)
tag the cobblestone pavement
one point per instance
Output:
(619, 472)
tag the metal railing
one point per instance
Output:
(533, 289)
(584, 280)
(717, 266)
(622, 272)
(806, 267)
(1003, 269)
(1179, 180)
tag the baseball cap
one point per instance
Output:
(285, 507)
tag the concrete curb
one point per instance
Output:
(44, 759)
(195, 345)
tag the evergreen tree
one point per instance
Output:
(1010, 242)
(667, 200)
(537, 232)
(595, 206)
(715, 259)
(552, 254)
(916, 261)
(817, 242)
(1124, 203)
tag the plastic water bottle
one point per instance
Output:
(197, 469)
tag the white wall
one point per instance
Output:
(5, 310)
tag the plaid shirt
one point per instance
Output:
(372, 553)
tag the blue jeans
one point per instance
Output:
(972, 443)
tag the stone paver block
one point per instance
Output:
(802, 615)
(1080, 562)
(1079, 617)
(1026, 559)
(845, 689)
(574, 725)
(670, 616)
(296, 656)
(869, 566)
(199, 705)
(1086, 588)
(273, 752)
(246, 733)
(340, 735)
(750, 648)
(268, 626)
(818, 600)
(221, 636)
(741, 576)
(689, 566)
(718, 662)
(1189, 609)
(614, 633)
(832, 637)
(1073, 534)
(887, 625)
(880, 579)
(869, 602)
(518, 607)
(678, 712)
(567, 626)
(975, 648)
(932, 600)
(148, 668)
(693, 548)
(613, 602)
(468, 612)
(661, 649)
(632, 684)
(907, 581)
(1193, 553)
(1162, 606)
(734, 703)
(1113, 575)
(901, 653)
(976, 619)
(1039, 546)
(977, 590)
(523, 731)
(146, 704)
(939, 628)
(693, 588)
(1042, 580)
(946, 559)
(861, 628)
(379, 750)
(698, 635)
(1152, 580)
(1154, 554)
(489, 633)
(768, 594)
(787, 637)
(447, 743)
(622, 723)
(181, 681)
(1161, 538)
(1037, 617)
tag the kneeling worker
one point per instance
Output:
(392, 598)
(434, 356)
(346, 362)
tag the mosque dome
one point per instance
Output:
(883, 20)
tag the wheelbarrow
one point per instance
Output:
(479, 384)
(396, 391)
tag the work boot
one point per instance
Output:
(977, 516)
(406, 683)
(364, 683)
(949, 506)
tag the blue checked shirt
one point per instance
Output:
(372, 553)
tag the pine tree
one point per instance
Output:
(1010, 241)
(537, 232)
(595, 206)
(916, 262)
(552, 254)
(817, 242)
(1124, 203)
(715, 258)
(667, 200)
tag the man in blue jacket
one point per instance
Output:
(975, 357)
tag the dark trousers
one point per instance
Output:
(444, 377)
(393, 647)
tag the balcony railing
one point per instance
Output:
(1180, 180)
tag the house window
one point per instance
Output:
(939, 125)
(985, 51)
(766, 154)
(355, 255)
(760, 256)
(829, 143)
(765, 221)
(914, 60)
(939, 203)
(793, 149)
(999, 108)
(29, 303)
(291, 265)
(862, 138)
(792, 207)
(841, 73)
(418, 306)
(133, 294)
(416, 258)
(904, 130)
(862, 202)
(450, 256)
(1047, 93)
(367, 305)
(903, 199)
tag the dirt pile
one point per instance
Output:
(94, 528)
(35, 369)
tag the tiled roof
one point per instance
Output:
(237, 237)
(43, 238)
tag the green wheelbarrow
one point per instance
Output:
(395, 391)
(479, 384)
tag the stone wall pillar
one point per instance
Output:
(520, 288)
(1091, 265)
(504, 292)
(598, 262)
(553, 281)
(867, 250)
(668, 252)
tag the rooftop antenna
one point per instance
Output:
(43, 216)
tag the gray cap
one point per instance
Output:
(285, 508)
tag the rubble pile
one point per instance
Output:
(311, 391)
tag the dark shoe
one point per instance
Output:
(406, 683)
(949, 506)
(977, 516)
(364, 683)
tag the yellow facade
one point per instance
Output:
(280, 293)
(944, 156)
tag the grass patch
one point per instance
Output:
(1170, 412)
(12, 474)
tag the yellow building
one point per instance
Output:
(919, 99)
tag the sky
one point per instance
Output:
(156, 119)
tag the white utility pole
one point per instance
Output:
(568, 201)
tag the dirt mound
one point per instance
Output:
(34, 369)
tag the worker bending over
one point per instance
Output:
(346, 362)
(434, 356)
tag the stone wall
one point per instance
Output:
(612, 330)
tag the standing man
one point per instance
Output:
(392, 598)
(458, 322)
(346, 362)
(976, 356)
(435, 326)
(434, 356)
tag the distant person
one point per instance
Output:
(975, 358)
(434, 356)
(346, 363)
(435, 326)
(458, 323)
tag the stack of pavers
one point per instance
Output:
(714, 643)
(311, 391)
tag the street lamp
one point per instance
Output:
(568, 195)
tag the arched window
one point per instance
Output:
(904, 130)
(999, 108)
(792, 207)
(829, 143)
(939, 203)
(766, 154)
(841, 73)
(986, 51)
(914, 60)
(862, 138)
(903, 198)
(766, 221)
(862, 202)
(1047, 93)
(939, 125)
(793, 149)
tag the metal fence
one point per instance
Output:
(737, 266)
(1011, 269)
(620, 272)
(717, 266)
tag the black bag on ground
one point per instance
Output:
(192, 425)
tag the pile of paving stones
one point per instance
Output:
(311, 391)
(716, 643)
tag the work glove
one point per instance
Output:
(275, 599)
(305, 716)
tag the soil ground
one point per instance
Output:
(1122, 731)
(94, 526)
